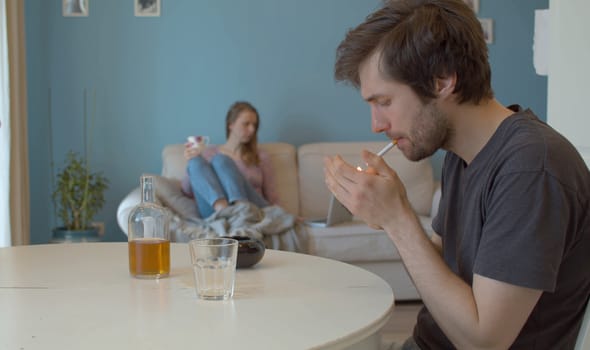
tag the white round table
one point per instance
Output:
(81, 296)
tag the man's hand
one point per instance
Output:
(375, 195)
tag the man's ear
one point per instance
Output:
(445, 86)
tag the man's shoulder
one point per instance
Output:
(533, 147)
(529, 144)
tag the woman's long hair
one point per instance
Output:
(248, 151)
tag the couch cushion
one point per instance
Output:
(282, 157)
(173, 162)
(284, 163)
(416, 176)
(355, 242)
(168, 192)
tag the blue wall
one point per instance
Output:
(156, 80)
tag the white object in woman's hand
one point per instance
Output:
(198, 141)
(195, 145)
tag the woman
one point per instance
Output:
(235, 171)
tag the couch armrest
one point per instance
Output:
(125, 207)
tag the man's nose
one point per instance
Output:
(377, 123)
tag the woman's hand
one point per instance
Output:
(375, 195)
(191, 152)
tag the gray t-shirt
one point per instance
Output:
(520, 214)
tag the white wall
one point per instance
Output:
(568, 96)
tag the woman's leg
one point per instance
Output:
(234, 183)
(205, 185)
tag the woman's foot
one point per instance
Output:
(220, 204)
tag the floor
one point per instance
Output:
(400, 325)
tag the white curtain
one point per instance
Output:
(14, 161)
(5, 240)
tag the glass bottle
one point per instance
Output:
(149, 238)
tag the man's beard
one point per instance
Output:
(429, 133)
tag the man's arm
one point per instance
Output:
(487, 315)
(437, 242)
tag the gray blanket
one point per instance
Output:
(274, 226)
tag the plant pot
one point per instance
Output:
(250, 251)
(63, 235)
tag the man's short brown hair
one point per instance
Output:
(419, 41)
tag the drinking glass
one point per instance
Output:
(214, 267)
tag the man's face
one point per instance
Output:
(396, 110)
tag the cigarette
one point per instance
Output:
(382, 152)
(387, 148)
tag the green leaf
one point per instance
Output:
(78, 194)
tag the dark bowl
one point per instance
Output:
(250, 251)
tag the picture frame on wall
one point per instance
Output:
(473, 4)
(487, 24)
(75, 8)
(147, 8)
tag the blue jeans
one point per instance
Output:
(219, 179)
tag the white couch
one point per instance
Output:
(302, 192)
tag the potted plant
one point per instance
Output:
(78, 196)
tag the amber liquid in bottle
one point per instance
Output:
(149, 257)
(149, 242)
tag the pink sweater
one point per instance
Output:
(260, 177)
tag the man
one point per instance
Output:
(508, 265)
